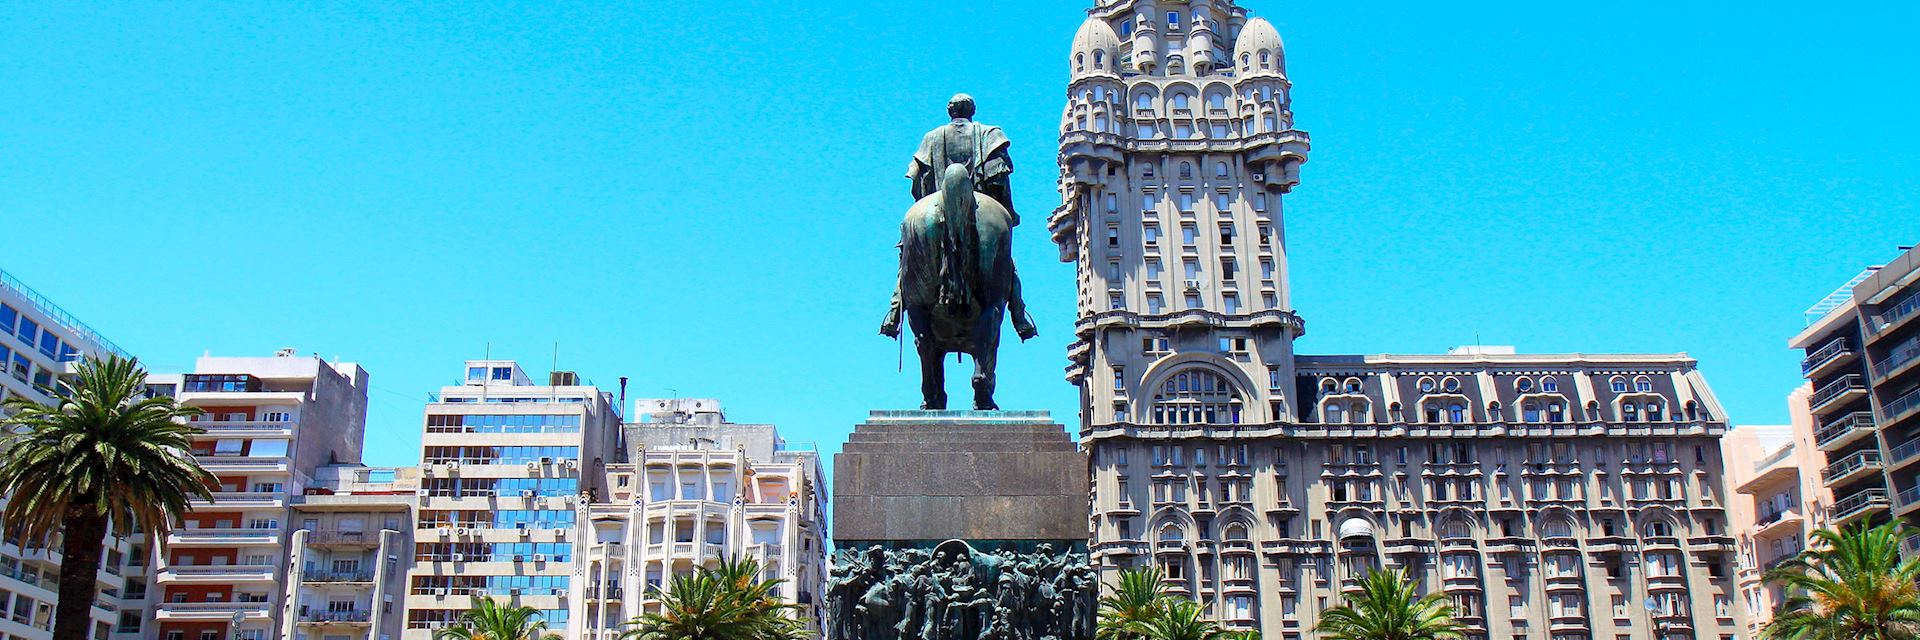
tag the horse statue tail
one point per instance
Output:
(961, 242)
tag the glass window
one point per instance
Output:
(476, 374)
(503, 373)
(29, 331)
(8, 317)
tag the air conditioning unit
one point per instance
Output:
(461, 532)
(1192, 284)
(526, 493)
(453, 466)
(572, 464)
(446, 531)
(525, 532)
(427, 470)
(546, 461)
(423, 493)
(458, 557)
(533, 467)
(513, 592)
(539, 557)
(519, 558)
(559, 534)
(443, 592)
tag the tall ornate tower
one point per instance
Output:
(1176, 148)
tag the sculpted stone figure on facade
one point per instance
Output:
(955, 592)
(956, 279)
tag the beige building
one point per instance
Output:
(508, 469)
(1782, 500)
(349, 555)
(696, 487)
(1570, 496)
(1862, 354)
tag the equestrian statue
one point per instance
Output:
(956, 281)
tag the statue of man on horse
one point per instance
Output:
(957, 281)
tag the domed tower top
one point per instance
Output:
(1258, 50)
(1096, 49)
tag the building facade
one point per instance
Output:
(695, 487)
(270, 426)
(508, 472)
(1782, 501)
(1571, 497)
(1862, 354)
(39, 342)
(349, 554)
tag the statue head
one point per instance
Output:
(960, 106)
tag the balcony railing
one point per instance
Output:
(1857, 502)
(1894, 314)
(342, 537)
(1898, 357)
(1906, 450)
(1908, 497)
(1900, 407)
(1849, 382)
(1823, 354)
(335, 616)
(338, 576)
(1833, 430)
(1852, 463)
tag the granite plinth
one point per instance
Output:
(929, 476)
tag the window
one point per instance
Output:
(1217, 102)
(1426, 385)
(1523, 385)
(1181, 102)
(1231, 303)
(1642, 384)
(1155, 304)
(1189, 236)
(1152, 233)
(1153, 269)
(1451, 385)
(1618, 384)
(1186, 173)
(502, 373)
(1549, 385)
(1196, 396)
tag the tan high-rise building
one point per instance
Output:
(1782, 501)
(1571, 497)
(508, 471)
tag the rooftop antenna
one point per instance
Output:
(623, 391)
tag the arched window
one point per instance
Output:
(1335, 414)
(1530, 412)
(1556, 528)
(1642, 384)
(1493, 411)
(1186, 171)
(1693, 411)
(1099, 59)
(1265, 59)
(1653, 412)
(1079, 62)
(1455, 529)
(1617, 384)
(1220, 170)
(1433, 413)
(1236, 531)
(1196, 396)
(1456, 413)
(1358, 413)
(1217, 102)
(1630, 412)
(1143, 102)
(1593, 410)
(1657, 529)
(1549, 385)
(1170, 533)
(1353, 385)
(1180, 102)
(1327, 385)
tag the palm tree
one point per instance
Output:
(103, 458)
(725, 602)
(1178, 619)
(1139, 597)
(1388, 608)
(489, 619)
(1849, 584)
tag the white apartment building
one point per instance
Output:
(695, 488)
(39, 341)
(271, 424)
(508, 469)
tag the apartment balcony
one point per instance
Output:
(245, 428)
(1899, 360)
(1853, 467)
(337, 577)
(1856, 506)
(1906, 500)
(216, 574)
(1900, 408)
(1893, 317)
(235, 465)
(223, 537)
(1828, 357)
(344, 539)
(1843, 431)
(1779, 523)
(1848, 387)
(336, 618)
(231, 398)
(243, 500)
(211, 611)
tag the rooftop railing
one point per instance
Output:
(58, 315)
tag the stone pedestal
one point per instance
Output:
(960, 525)
(931, 476)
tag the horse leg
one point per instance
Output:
(986, 355)
(933, 376)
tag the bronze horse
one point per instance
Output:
(956, 269)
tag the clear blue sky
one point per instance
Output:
(702, 196)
